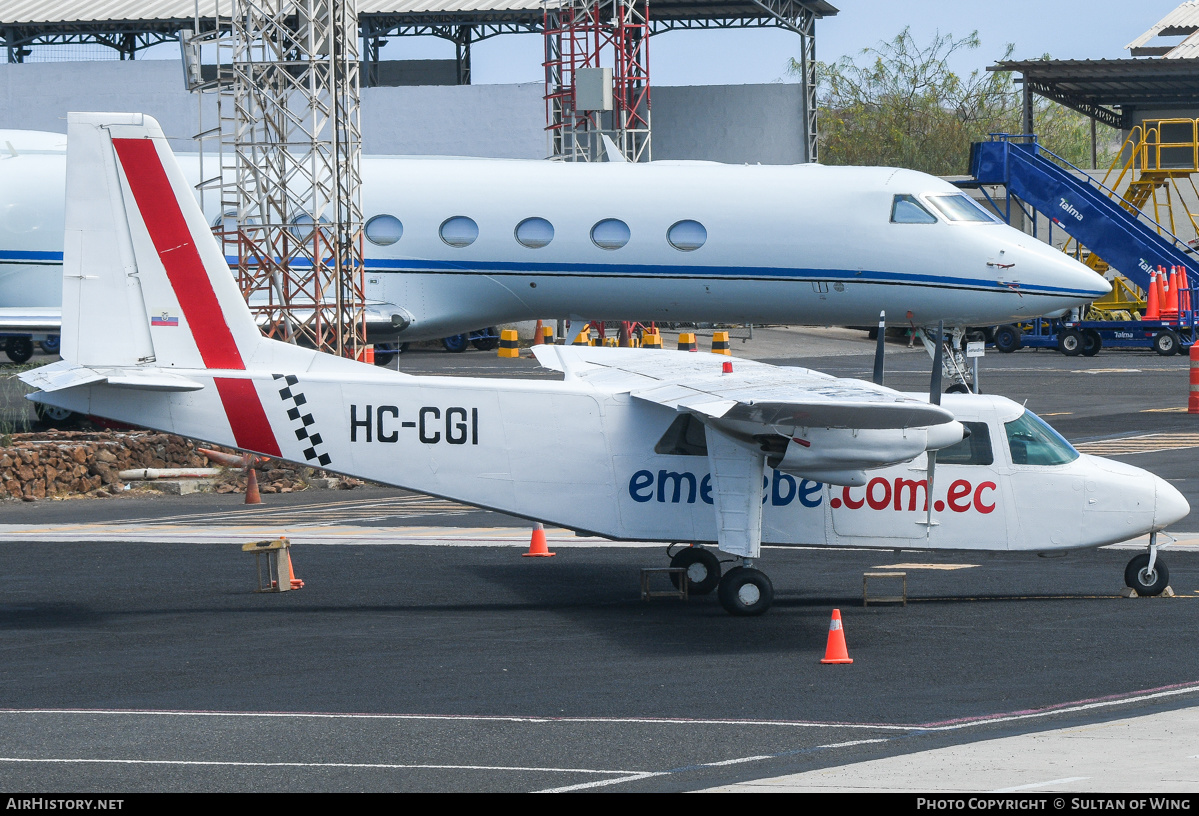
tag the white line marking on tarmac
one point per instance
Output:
(1041, 784)
(601, 783)
(364, 765)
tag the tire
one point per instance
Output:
(958, 388)
(1091, 343)
(51, 344)
(19, 349)
(745, 592)
(1165, 343)
(489, 343)
(1070, 342)
(703, 570)
(1007, 339)
(456, 343)
(1148, 585)
(55, 417)
(384, 354)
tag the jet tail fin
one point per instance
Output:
(144, 281)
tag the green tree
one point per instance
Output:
(902, 105)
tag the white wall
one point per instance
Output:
(730, 123)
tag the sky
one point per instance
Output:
(1065, 29)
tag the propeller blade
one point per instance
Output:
(932, 469)
(934, 388)
(878, 348)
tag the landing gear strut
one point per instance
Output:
(745, 591)
(1146, 573)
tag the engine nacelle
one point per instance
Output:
(841, 456)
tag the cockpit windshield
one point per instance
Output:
(1032, 442)
(906, 209)
(959, 207)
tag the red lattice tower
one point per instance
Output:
(590, 34)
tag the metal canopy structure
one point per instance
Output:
(1109, 91)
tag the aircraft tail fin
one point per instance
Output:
(144, 281)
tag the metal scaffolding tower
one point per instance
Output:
(586, 99)
(290, 167)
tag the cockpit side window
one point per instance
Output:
(1032, 442)
(974, 449)
(959, 207)
(905, 209)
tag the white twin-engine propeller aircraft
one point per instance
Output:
(456, 244)
(632, 444)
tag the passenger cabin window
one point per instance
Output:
(1032, 442)
(534, 233)
(687, 236)
(611, 233)
(905, 209)
(974, 449)
(459, 231)
(384, 230)
(301, 227)
(684, 437)
(959, 207)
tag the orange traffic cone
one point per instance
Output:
(1170, 304)
(252, 496)
(1184, 290)
(296, 583)
(836, 652)
(537, 546)
(1152, 303)
(538, 337)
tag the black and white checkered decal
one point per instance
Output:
(295, 401)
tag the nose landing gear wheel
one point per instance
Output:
(1137, 575)
(703, 570)
(745, 591)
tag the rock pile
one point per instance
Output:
(64, 463)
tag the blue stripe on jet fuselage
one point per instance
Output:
(659, 271)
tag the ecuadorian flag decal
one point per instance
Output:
(165, 319)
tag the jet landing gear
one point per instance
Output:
(1146, 573)
(745, 591)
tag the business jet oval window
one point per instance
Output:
(384, 230)
(301, 227)
(905, 209)
(611, 233)
(687, 236)
(1032, 442)
(534, 233)
(958, 207)
(459, 231)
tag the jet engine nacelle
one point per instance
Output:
(841, 456)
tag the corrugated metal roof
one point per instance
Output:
(78, 11)
(1183, 20)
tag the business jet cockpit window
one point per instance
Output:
(1032, 442)
(959, 207)
(534, 233)
(905, 209)
(459, 231)
(384, 230)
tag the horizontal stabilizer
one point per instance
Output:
(64, 374)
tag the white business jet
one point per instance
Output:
(677, 446)
(455, 244)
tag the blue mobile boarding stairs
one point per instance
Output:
(1096, 217)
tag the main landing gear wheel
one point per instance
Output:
(54, 416)
(19, 349)
(745, 591)
(703, 570)
(1138, 576)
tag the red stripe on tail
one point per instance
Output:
(251, 428)
(172, 239)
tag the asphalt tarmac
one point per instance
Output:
(424, 654)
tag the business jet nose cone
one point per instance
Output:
(1169, 506)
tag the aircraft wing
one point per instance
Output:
(755, 393)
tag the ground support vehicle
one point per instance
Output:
(1087, 337)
